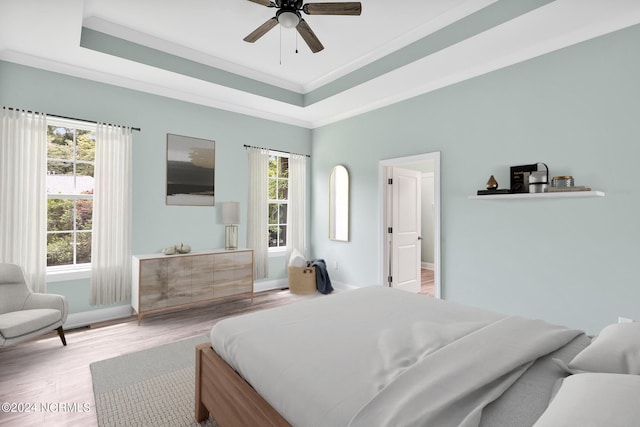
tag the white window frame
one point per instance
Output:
(279, 250)
(61, 273)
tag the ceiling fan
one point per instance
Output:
(288, 15)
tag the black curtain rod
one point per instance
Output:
(279, 151)
(70, 118)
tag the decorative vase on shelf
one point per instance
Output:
(492, 184)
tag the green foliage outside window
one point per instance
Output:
(278, 197)
(59, 249)
(70, 154)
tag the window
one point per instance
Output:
(278, 199)
(70, 164)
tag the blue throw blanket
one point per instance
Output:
(323, 283)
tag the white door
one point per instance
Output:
(405, 229)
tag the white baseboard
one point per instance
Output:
(85, 318)
(428, 265)
(269, 285)
(342, 286)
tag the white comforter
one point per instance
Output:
(381, 357)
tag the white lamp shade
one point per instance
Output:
(288, 19)
(231, 213)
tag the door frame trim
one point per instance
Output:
(382, 206)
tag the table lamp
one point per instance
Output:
(231, 218)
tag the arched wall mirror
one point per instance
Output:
(339, 204)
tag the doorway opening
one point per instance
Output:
(404, 266)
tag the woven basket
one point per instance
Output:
(302, 280)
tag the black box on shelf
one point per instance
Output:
(520, 177)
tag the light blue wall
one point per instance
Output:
(156, 225)
(572, 262)
(568, 261)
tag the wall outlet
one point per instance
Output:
(335, 264)
(624, 320)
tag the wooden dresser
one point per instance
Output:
(165, 282)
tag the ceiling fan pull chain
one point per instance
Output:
(280, 45)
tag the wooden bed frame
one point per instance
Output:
(221, 392)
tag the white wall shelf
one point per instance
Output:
(555, 195)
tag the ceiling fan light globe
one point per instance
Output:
(288, 19)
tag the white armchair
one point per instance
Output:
(24, 314)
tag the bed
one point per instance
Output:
(381, 357)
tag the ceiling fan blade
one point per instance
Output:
(261, 30)
(264, 3)
(348, 8)
(309, 36)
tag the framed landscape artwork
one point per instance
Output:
(190, 171)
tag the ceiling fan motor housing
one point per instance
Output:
(289, 4)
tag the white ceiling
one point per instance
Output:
(47, 35)
(218, 27)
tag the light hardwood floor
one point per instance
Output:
(427, 282)
(46, 376)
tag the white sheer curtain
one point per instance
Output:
(296, 215)
(23, 194)
(257, 228)
(111, 236)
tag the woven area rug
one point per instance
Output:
(153, 387)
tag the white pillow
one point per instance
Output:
(594, 400)
(297, 260)
(615, 350)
